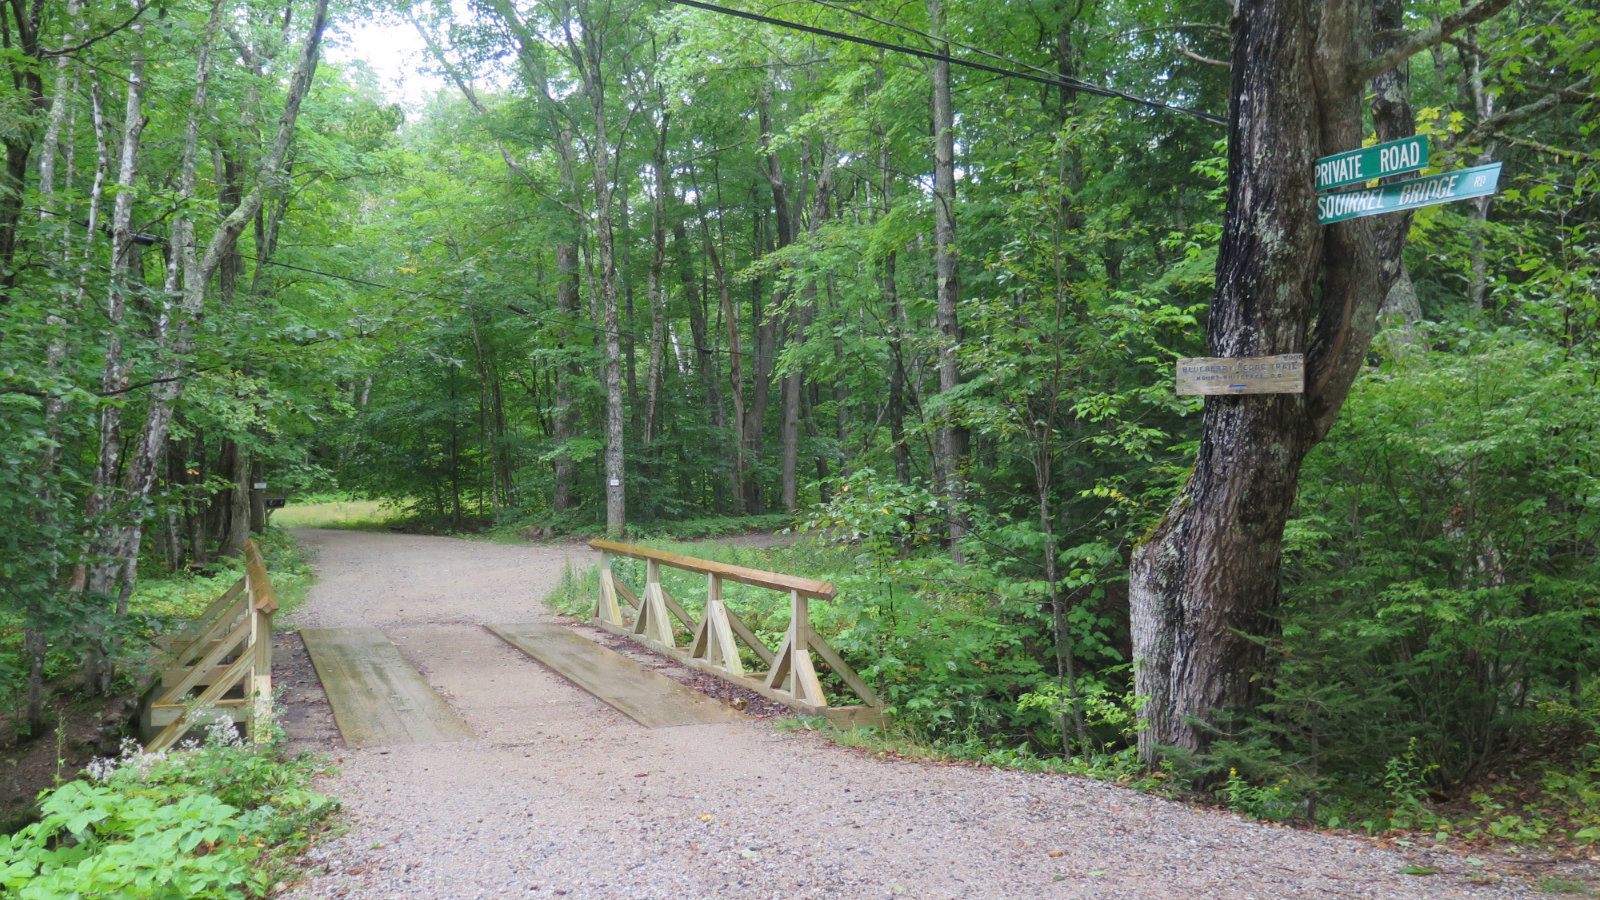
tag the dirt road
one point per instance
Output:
(560, 796)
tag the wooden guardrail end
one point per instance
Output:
(237, 623)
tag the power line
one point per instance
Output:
(1051, 80)
(923, 34)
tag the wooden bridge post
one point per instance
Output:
(263, 603)
(792, 670)
(713, 640)
(606, 608)
(652, 623)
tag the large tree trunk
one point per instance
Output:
(1206, 579)
(589, 57)
(238, 501)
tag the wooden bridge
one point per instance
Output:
(222, 662)
(378, 698)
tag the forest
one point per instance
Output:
(913, 277)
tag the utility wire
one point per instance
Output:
(1051, 80)
(923, 34)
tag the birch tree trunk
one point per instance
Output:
(99, 580)
(189, 274)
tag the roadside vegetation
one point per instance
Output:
(222, 819)
(656, 272)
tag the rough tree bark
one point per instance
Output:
(1207, 576)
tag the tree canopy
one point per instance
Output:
(637, 262)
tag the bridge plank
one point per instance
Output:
(377, 697)
(651, 699)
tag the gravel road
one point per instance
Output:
(560, 796)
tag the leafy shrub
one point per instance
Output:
(216, 821)
(1442, 575)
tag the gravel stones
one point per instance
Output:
(559, 796)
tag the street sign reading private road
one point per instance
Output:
(1458, 185)
(1405, 155)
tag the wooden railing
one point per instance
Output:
(225, 654)
(712, 642)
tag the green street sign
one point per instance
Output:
(1458, 185)
(1405, 155)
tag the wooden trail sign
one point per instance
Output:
(1379, 160)
(1243, 375)
(1461, 184)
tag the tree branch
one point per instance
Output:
(1205, 59)
(1527, 111)
(63, 51)
(1418, 41)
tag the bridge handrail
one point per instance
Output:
(806, 587)
(790, 677)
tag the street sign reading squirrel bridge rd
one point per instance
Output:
(1379, 160)
(1458, 185)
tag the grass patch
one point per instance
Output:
(357, 515)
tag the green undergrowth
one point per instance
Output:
(581, 528)
(897, 741)
(712, 527)
(225, 819)
(184, 595)
(159, 602)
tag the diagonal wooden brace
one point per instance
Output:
(653, 624)
(792, 670)
(713, 641)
